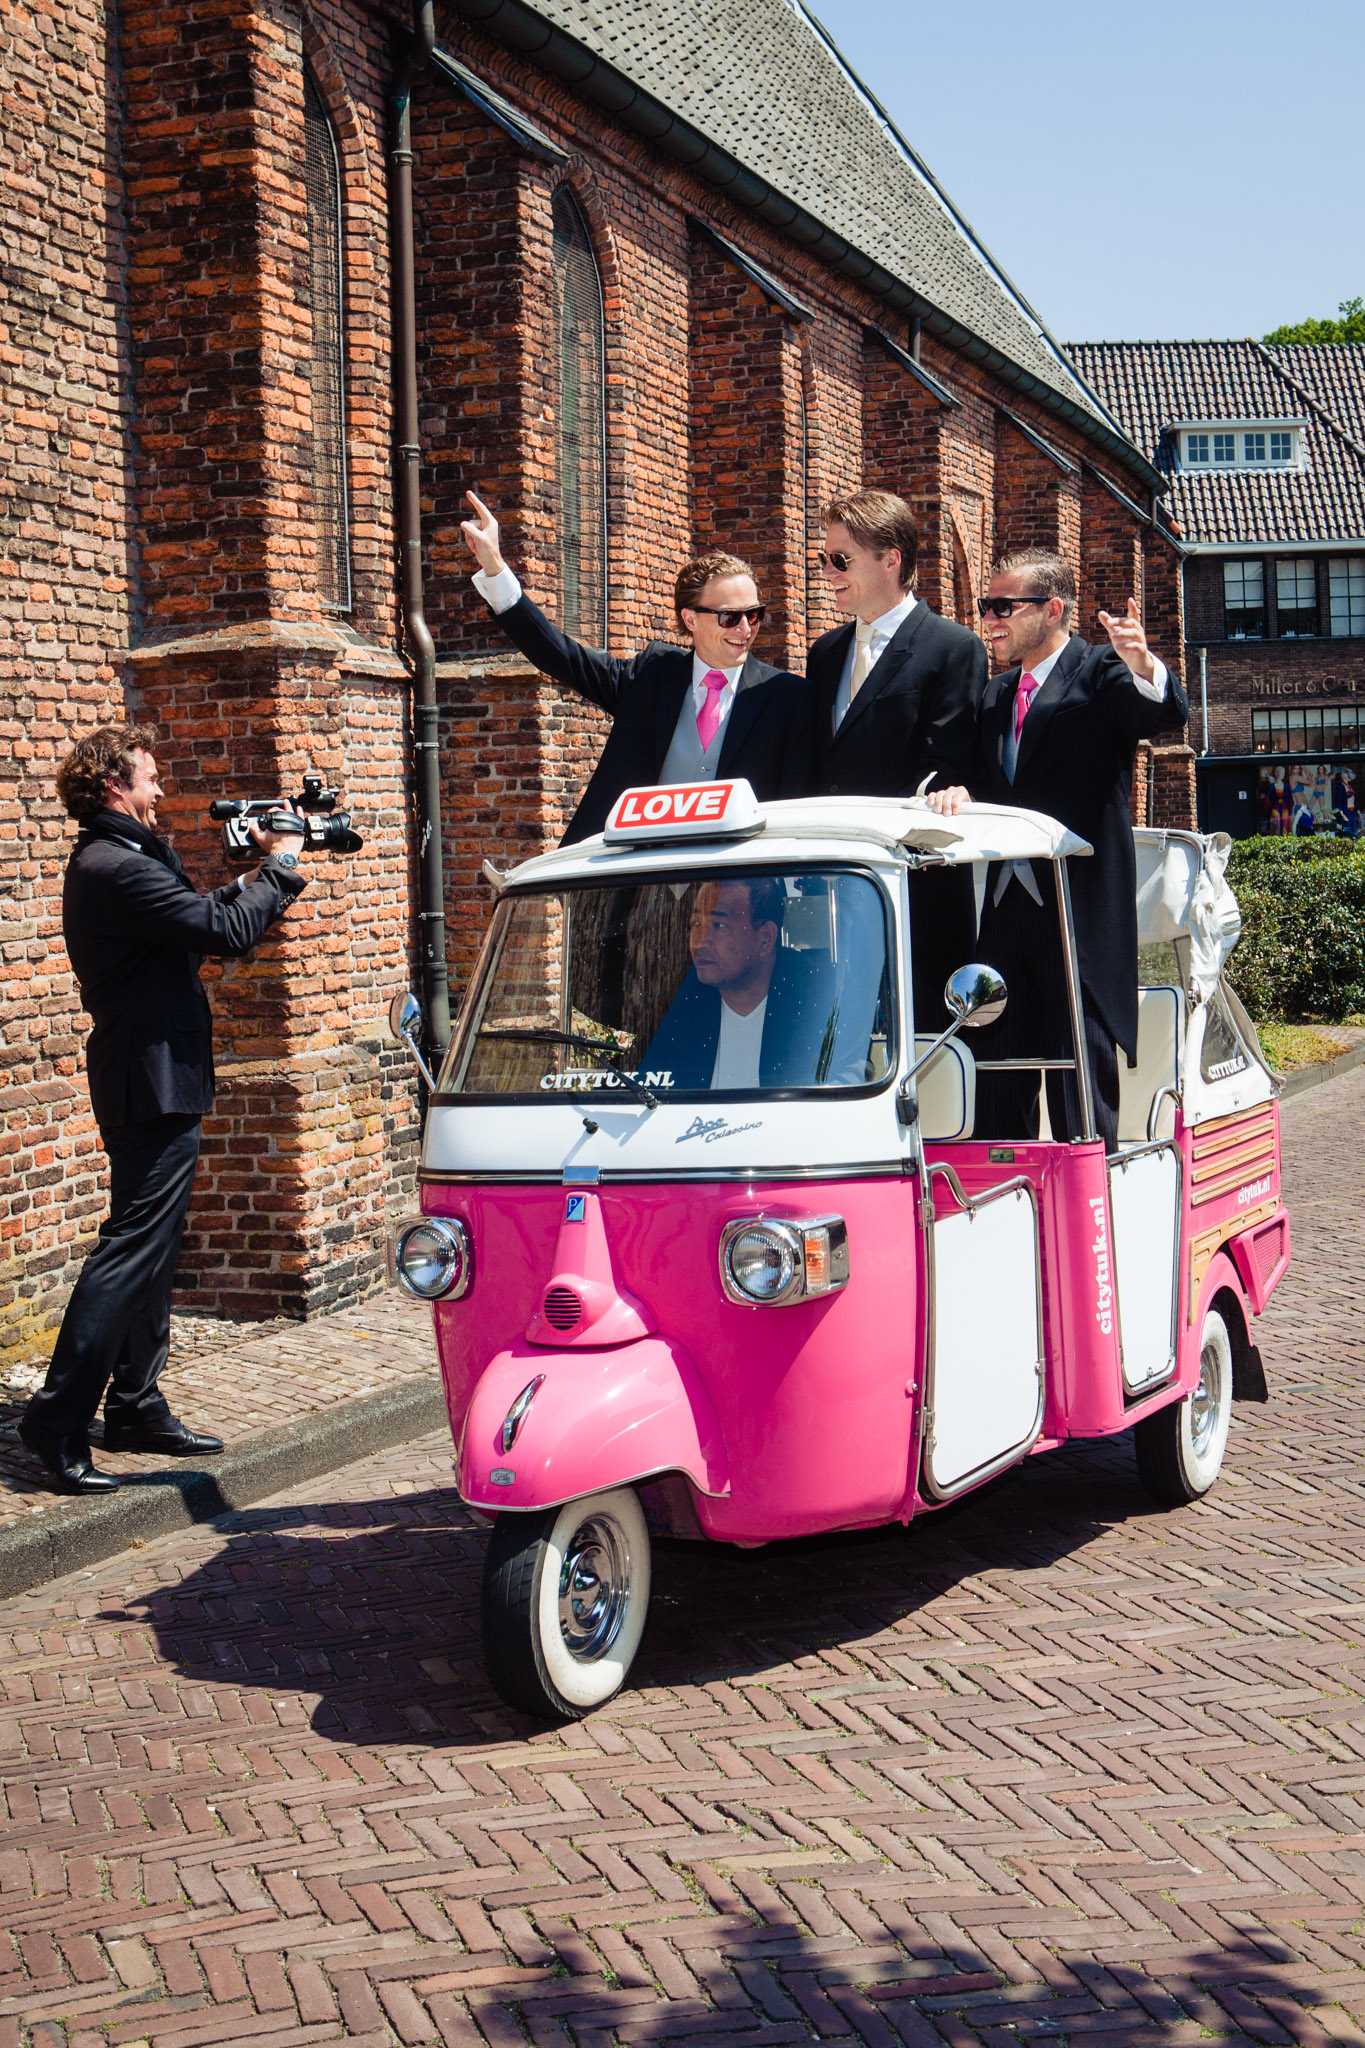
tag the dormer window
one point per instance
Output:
(1240, 445)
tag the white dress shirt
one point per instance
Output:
(739, 1047)
(502, 591)
(884, 630)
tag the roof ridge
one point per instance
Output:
(955, 214)
(1308, 397)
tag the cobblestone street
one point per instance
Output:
(1052, 1764)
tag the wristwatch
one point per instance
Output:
(285, 860)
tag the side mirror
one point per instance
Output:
(405, 1021)
(405, 1016)
(976, 995)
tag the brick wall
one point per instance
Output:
(161, 548)
(1266, 675)
(1037, 502)
(69, 564)
(748, 456)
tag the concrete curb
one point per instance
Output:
(1325, 1070)
(74, 1534)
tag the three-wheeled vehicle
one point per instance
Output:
(712, 1245)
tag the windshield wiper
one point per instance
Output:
(597, 1045)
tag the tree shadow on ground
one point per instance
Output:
(372, 1607)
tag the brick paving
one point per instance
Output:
(1053, 1765)
(237, 1380)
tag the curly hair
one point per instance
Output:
(82, 779)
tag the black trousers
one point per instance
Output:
(1022, 940)
(116, 1332)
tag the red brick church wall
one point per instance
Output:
(161, 549)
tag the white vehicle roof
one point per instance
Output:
(819, 828)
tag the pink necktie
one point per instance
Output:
(1023, 697)
(708, 718)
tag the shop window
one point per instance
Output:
(1243, 600)
(1346, 596)
(1302, 799)
(327, 363)
(580, 425)
(1296, 597)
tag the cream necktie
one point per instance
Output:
(862, 659)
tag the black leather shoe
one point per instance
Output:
(66, 1460)
(170, 1440)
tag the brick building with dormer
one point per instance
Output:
(1263, 450)
(672, 278)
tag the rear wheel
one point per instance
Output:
(565, 1595)
(1180, 1448)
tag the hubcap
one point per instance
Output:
(594, 1588)
(1205, 1400)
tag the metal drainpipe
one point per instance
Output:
(416, 632)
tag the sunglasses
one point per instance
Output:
(1003, 607)
(727, 616)
(843, 563)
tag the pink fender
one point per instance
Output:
(601, 1419)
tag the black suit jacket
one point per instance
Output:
(136, 929)
(767, 735)
(914, 716)
(1076, 765)
(795, 1026)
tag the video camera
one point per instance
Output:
(326, 830)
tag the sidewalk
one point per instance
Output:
(290, 1401)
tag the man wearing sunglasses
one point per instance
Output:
(896, 696)
(1059, 729)
(678, 714)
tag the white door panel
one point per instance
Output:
(1144, 1201)
(986, 1384)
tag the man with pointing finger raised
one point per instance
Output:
(678, 714)
(1059, 729)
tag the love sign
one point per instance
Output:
(684, 810)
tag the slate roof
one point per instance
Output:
(1148, 385)
(759, 80)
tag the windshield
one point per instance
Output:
(743, 983)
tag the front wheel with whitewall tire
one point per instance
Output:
(1180, 1448)
(565, 1596)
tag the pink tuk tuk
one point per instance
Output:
(742, 1280)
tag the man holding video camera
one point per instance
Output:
(136, 929)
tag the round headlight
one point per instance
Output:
(764, 1261)
(433, 1258)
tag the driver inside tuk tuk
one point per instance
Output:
(752, 1013)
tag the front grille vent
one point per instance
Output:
(562, 1308)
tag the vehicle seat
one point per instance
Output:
(947, 1091)
(1161, 1017)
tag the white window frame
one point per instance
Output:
(1230, 444)
(1346, 597)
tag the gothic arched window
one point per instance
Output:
(327, 368)
(580, 425)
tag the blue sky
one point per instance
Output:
(1175, 170)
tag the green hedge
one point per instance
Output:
(1302, 950)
